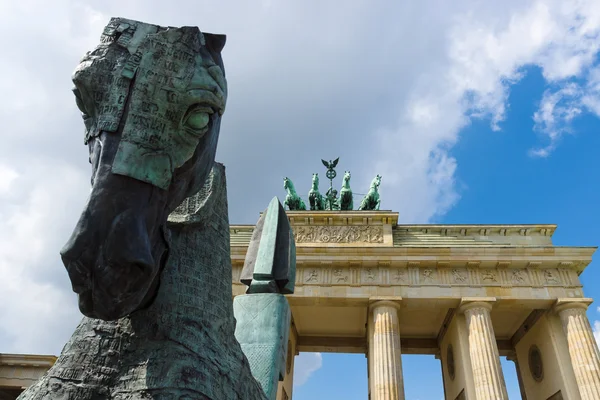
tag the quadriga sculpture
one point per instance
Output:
(315, 198)
(346, 198)
(157, 294)
(372, 201)
(292, 200)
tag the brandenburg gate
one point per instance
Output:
(467, 294)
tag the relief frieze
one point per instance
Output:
(459, 276)
(489, 276)
(311, 275)
(399, 276)
(551, 277)
(341, 275)
(518, 276)
(338, 234)
(370, 276)
(428, 275)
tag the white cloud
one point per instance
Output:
(38, 311)
(597, 332)
(7, 178)
(305, 365)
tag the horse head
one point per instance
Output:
(151, 99)
(376, 181)
(347, 176)
(315, 181)
(287, 183)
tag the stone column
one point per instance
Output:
(513, 357)
(583, 348)
(483, 350)
(385, 358)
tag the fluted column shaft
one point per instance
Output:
(386, 353)
(488, 378)
(583, 348)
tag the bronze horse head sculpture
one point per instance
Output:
(151, 99)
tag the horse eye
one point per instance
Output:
(197, 117)
(198, 120)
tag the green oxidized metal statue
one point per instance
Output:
(346, 203)
(331, 195)
(331, 202)
(372, 201)
(315, 198)
(263, 314)
(292, 200)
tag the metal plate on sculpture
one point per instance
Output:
(101, 86)
(164, 63)
(196, 208)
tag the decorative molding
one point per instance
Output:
(518, 276)
(341, 276)
(536, 365)
(370, 276)
(489, 276)
(552, 277)
(338, 234)
(357, 274)
(311, 275)
(459, 276)
(399, 276)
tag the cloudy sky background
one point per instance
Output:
(390, 87)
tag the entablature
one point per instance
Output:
(538, 258)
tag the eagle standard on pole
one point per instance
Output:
(331, 174)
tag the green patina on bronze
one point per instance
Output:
(263, 329)
(270, 264)
(315, 198)
(263, 315)
(161, 75)
(346, 200)
(372, 201)
(292, 200)
(331, 201)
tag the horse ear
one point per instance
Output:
(215, 42)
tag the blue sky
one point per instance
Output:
(500, 183)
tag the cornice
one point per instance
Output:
(28, 360)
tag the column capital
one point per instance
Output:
(512, 356)
(567, 303)
(383, 301)
(467, 303)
